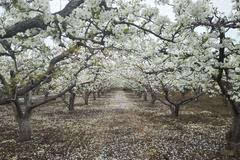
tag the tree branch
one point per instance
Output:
(51, 98)
(38, 22)
(147, 30)
(47, 75)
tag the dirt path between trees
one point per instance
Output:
(121, 128)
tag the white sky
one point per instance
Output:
(224, 6)
(56, 5)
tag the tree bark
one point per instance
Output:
(25, 130)
(139, 94)
(28, 99)
(225, 101)
(145, 96)
(175, 110)
(38, 22)
(99, 94)
(233, 136)
(94, 96)
(71, 101)
(46, 95)
(154, 98)
(86, 97)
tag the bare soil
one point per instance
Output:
(119, 126)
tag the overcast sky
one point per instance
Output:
(223, 5)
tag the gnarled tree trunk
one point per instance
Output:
(23, 118)
(71, 101)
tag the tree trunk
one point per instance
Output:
(28, 98)
(25, 131)
(145, 96)
(233, 136)
(139, 94)
(86, 97)
(36, 91)
(46, 95)
(99, 94)
(175, 110)
(71, 101)
(225, 101)
(94, 96)
(154, 98)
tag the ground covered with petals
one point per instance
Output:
(118, 126)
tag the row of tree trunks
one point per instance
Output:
(86, 96)
(174, 108)
(142, 94)
(145, 98)
(23, 117)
